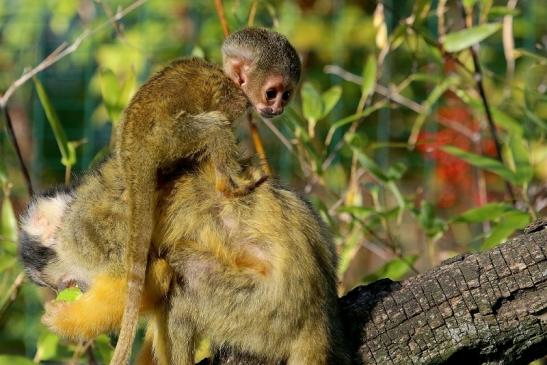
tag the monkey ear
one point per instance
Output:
(239, 69)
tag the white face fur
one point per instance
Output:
(44, 216)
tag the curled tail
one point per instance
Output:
(141, 199)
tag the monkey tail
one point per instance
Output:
(141, 224)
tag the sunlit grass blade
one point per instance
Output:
(482, 162)
(55, 124)
(457, 41)
(507, 225)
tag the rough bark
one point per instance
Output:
(483, 308)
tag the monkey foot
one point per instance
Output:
(230, 189)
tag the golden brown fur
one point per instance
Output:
(185, 111)
(255, 272)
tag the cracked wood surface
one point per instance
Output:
(482, 308)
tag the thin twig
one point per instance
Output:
(220, 12)
(460, 128)
(11, 133)
(388, 244)
(509, 47)
(478, 76)
(380, 89)
(279, 135)
(252, 14)
(64, 50)
(257, 141)
(11, 293)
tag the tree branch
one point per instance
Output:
(11, 133)
(478, 77)
(482, 308)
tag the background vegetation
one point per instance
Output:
(412, 144)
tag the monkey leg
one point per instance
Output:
(146, 353)
(311, 346)
(182, 334)
(97, 311)
(211, 137)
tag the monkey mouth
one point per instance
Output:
(268, 114)
(65, 283)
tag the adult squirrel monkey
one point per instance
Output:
(185, 111)
(256, 272)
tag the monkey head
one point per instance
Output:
(266, 67)
(38, 241)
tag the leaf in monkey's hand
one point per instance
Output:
(69, 294)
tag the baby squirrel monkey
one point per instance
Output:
(256, 273)
(185, 111)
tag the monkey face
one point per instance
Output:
(38, 239)
(36, 258)
(269, 94)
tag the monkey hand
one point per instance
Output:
(58, 319)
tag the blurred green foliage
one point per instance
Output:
(388, 136)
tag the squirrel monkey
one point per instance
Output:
(71, 238)
(256, 272)
(185, 111)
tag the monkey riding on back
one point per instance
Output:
(185, 111)
(171, 119)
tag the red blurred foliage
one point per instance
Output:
(455, 177)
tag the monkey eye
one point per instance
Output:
(286, 95)
(271, 94)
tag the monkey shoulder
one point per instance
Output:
(193, 85)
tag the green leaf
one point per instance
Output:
(103, 348)
(508, 224)
(370, 165)
(69, 294)
(330, 99)
(395, 269)
(8, 223)
(482, 162)
(357, 211)
(534, 118)
(487, 212)
(116, 95)
(496, 11)
(536, 57)
(15, 360)
(349, 249)
(110, 89)
(435, 94)
(198, 52)
(369, 77)
(432, 225)
(3, 174)
(7, 262)
(342, 122)
(54, 122)
(457, 41)
(521, 159)
(507, 122)
(469, 3)
(46, 346)
(312, 104)
(396, 171)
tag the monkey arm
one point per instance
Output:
(97, 311)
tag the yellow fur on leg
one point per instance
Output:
(146, 354)
(97, 311)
